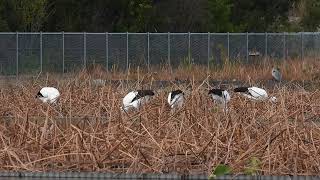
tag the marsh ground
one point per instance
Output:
(86, 131)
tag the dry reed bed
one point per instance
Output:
(296, 70)
(284, 136)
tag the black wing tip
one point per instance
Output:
(241, 89)
(150, 92)
(39, 95)
(215, 91)
(177, 91)
(146, 92)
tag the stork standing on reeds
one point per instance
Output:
(135, 99)
(255, 93)
(176, 99)
(276, 74)
(221, 97)
(48, 95)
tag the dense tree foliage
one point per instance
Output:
(261, 15)
(159, 15)
(219, 13)
(311, 18)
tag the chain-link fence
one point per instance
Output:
(25, 53)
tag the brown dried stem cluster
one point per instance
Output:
(86, 131)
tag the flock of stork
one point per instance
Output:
(135, 99)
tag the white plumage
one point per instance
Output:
(48, 94)
(128, 103)
(134, 99)
(220, 96)
(276, 74)
(176, 99)
(254, 93)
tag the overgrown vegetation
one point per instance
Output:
(86, 130)
(159, 16)
(292, 70)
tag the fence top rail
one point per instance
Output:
(7, 33)
(29, 33)
(53, 33)
(96, 33)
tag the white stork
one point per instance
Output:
(254, 93)
(220, 96)
(176, 99)
(276, 74)
(48, 95)
(134, 99)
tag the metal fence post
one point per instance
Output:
(127, 53)
(107, 51)
(148, 50)
(169, 63)
(189, 47)
(247, 47)
(302, 46)
(315, 45)
(62, 51)
(41, 62)
(284, 46)
(266, 46)
(315, 36)
(228, 44)
(17, 54)
(84, 49)
(208, 51)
